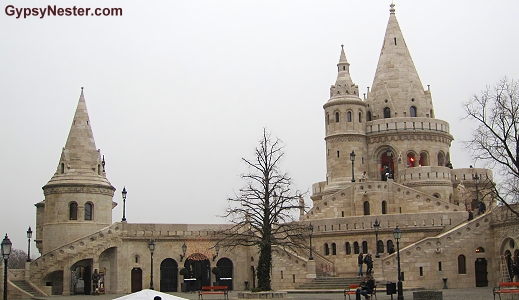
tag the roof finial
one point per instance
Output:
(342, 46)
(392, 9)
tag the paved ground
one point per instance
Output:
(484, 293)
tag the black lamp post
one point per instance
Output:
(151, 245)
(29, 236)
(352, 158)
(216, 249)
(376, 225)
(311, 229)
(124, 192)
(184, 249)
(476, 181)
(397, 233)
(6, 251)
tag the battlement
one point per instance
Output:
(467, 175)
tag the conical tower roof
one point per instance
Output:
(396, 84)
(80, 161)
(344, 86)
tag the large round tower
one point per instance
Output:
(345, 130)
(78, 198)
(403, 137)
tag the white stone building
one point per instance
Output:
(401, 176)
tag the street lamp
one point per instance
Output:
(216, 249)
(6, 251)
(352, 158)
(151, 245)
(29, 236)
(376, 225)
(476, 181)
(311, 229)
(397, 233)
(184, 249)
(124, 192)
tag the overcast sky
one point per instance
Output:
(179, 91)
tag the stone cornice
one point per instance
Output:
(353, 99)
(346, 137)
(86, 189)
(412, 134)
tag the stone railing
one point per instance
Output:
(424, 173)
(407, 124)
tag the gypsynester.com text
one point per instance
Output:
(54, 11)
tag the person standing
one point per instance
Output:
(369, 263)
(360, 260)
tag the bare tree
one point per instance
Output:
(17, 259)
(496, 140)
(262, 212)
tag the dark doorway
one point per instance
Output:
(253, 277)
(88, 280)
(136, 280)
(481, 272)
(200, 269)
(225, 277)
(168, 275)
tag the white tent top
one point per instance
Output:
(149, 295)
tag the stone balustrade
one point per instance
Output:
(407, 124)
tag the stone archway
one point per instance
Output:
(226, 270)
(168, 275)
(56, 280)
(82, 270)
(199, 268)
(136, 280)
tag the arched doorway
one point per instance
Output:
(168, 275)
(82, 284)
(199, 268)
(481, 272)
(136, 279)
(226, 268)
(56, 280)
(387, 164)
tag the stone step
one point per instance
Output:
(22, 284)
(328, 283)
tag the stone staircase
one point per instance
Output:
(328, 283)
(22, 284)
(82, 248)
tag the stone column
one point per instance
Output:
(67, 276)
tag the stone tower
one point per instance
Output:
(345, 128)
(401, 130)
(78, 198)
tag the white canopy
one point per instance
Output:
(149, 295)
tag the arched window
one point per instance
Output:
(380, 246)
(89, 211)
(337, 117)
(368, 116)
(349, 116)
(334, 249)
(348, 248)
(480, 250)
(328, 119)
(366, 208)
(411, 160)
(360, 117)
(412, 112)
(62, 168)
(387, 112)
(441, 159)
(72, 211)
(326, 249)
(390, 247)
(462, 267)
(424, 159)
(356, 249)
(432, 113)
(364, 247)
(384, 207)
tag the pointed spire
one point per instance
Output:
(80, 143)
(343, 85)
(396, 84)
(80, 160)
